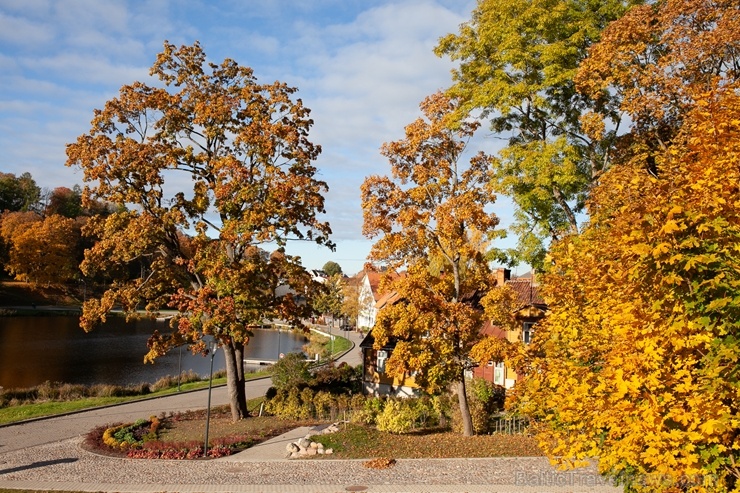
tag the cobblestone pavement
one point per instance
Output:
(65, 466)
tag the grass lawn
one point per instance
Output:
(353, 441)
(356, 441)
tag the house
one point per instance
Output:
(368, 298)
(532, 308)
(375, 381)
(318, 275)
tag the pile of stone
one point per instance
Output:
(305, 447)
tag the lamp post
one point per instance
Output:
(179, 367)
(212, 344)
(331, 339)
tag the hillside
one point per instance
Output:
(15, 293)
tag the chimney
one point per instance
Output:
(502, 275)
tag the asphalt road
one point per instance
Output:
(48, 430)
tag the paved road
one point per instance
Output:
(46, 455)
(39, 432)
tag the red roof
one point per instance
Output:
(526, 291)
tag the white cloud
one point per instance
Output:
(86, 69)
(362, 66)
(23, 33)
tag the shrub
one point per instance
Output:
(291, 371)
(307, 408)
(168, 382)
(341, 379)
(369, 411)
(132, 435)
(324, 405)
(404, 415)
(317, 345)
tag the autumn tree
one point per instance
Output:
(351, 300)
(655, 75)
(42, 251)
(518, 60)
(643, 326)
(213, 168)
(65, 201)
(425, 216)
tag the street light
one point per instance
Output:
(179, 368)
(212, 345)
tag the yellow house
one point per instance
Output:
(375, 381)
(532, 308)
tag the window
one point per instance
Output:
(499, 373)
(382, 356)
(527, 332)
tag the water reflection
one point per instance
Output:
(36, 349)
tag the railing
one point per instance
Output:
(509, 425)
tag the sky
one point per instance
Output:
(361, 66)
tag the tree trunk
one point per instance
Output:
(235, 383)
(241, 382)
(462, 397)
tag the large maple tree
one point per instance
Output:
(210, 168)
(429, 217)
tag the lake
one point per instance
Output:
(36, 349)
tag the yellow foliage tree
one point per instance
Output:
(637, 363)
(42, 250)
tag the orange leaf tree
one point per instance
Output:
(636, 363)
(41, 250)
(428, 215)
(210, 167)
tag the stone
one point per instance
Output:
(329, 451)
(304, 443)
(292, 447)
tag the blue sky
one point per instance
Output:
(362, 66)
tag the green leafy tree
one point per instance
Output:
(65, 202)
(428, 216)
(291, 371)
(331, 297)
(18, 193)
(332, 268)
(518, 60)
(243, 149)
